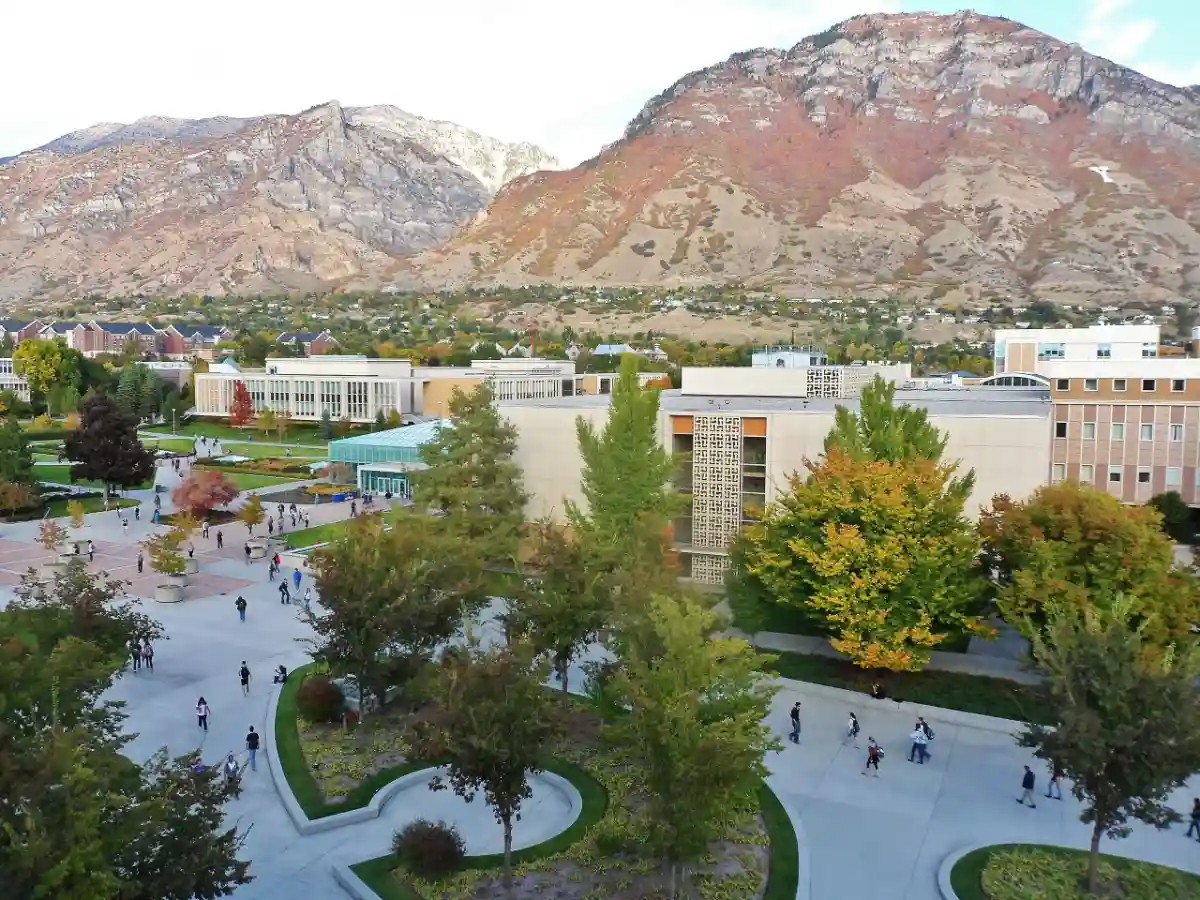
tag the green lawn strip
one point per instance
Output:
(61, 474)
(173, 445)
(980, 694)
(248, 482)
(318, 534)
(783, 876)
(1055, 873)
(58, 508)
(266, 451)
(298, 433)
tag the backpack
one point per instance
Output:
(854, 727)
(928, 731)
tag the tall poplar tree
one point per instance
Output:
(16, 460)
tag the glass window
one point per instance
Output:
(1063, 384)
(1177, 385)
(1143, 476)
(1103, 351)
(1089, 431)
(1060, 429)
(1147, 432)
(1118, 431)
(1091, 384)
(1174, 476)
(1119, 384)
(1149, 351)
(1148, 385)
(1051, 351)
(1114, 476)
(1060, 471)
(1087, 473)
(1177, 432)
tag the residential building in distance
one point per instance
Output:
(1026, 349)
(19, 330)
(11, 381)
(181, 341)
(313, 342)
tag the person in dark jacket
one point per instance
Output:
(1027, 783)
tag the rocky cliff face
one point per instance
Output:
(232, 205)
(952, 156)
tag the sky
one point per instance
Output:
(565, 75)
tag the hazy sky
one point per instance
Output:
(565, 75)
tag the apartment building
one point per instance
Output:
(180, 341)
(11, 381)
(1026, 350)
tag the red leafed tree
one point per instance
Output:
(241, 408)
(202, 491)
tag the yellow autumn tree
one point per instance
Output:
(878, 552)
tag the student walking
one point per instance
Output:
(240, 603)
(202, 714)
(246, 550)
(1027, 783)
(270, 571)
(284, 594)
(148, 655)
(204, 530)
(91, 552)
(125, 526)
(135, 653)
(874, 755)
(852, 730)
(296, 579)
(244, 676)
(137, 513)
(252, 743)
(795, 714)
(918, 745)
(141, 562)
(271, 525)
(1054, 788)
(924, 727)
(1195, 826)
(220, 539)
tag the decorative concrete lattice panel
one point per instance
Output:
(825, 382)
(716, 480)
(709, 568)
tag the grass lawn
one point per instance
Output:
(61, 474)
(951, 690)
(58, 508)
(174, 445)
(1020, 871)
(298, 433)
(247, 482)
(318, 534)
(265, 451)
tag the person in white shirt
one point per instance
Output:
(919, 740)
(202, 713)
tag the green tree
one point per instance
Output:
(695, 725)
(498, 726)
(878, 552)
(472, 478)
(149, 393)
(252, 512)
(1128, 729)
(326, 428)
(380, 421)
(391, 596)
(16, 460)
(129, 387)
(174, 408)
(105, 447)
(267, 421)
(393, 418)
(625, 481)
(1072, 545)
(45, 363)
(1176, 516)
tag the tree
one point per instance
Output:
(1176, 516)
(45, 363)
(203, 490)
(252, 512)
(391, 597)
(174, 408)
(283, 421)
(326, 428)
(380, 421)
(164, 550)
(129, 387)
(563, 603)
(106, 447)
(471, 477)
(394, 419)
(695, 725)
(16, 496)
(16, 460)
(1128, 730)
(149, 393)
(497, 729)
(625, 480)
(266, 421)
(878, 550)
(51, 535)
(75, 511)
(1072, 545)
(241, 407)
(881, 430)
(342, 427)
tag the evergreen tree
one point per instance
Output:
(148, 394)
(472, 479)
(326, 425)
(16, 460)
(106, 448)
(129, 390)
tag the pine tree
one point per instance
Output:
(148, 394)
(129, 390)
(16, 460)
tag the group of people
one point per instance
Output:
(141, 651)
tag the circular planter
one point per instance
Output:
(171, 592)
(190, 566)
(258, 548)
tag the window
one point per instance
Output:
(1174, 476)
(1177, 385)
(1119, 384)
(1091, 384)
(1063, 384)
(1089, 431)
(1147, 433)
(1148, 385)
(1177, 432)
(1060, 471)
(1060, 429)
(1051, 351)
(1087, 473)
(1149, 351)
(1118, 431)
(1143, 476)
(1114, 476)
(1103, 351)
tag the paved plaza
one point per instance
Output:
(882, 838)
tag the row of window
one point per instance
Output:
(1117, 431)
(1149, 385)
(1087, 475)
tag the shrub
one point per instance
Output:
(1020, 872)
(319, 700)
(429, 849)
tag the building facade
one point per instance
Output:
(1026, 350)
(11, 381)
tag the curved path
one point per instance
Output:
(904, 823)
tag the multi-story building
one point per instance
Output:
(20, 330)
(181, 341)
(313, 342)
(11, 381)
(1025, 350)
(741, 445)
(93, 338)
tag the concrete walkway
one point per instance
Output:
(904, 823)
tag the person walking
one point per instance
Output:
(202, 714)
(852, 730)
(1054, 788)
(91, 552)
(137, 513)
(148, 655)
(141, 562)
(246, 550)
(135, 653)
(191, 551)
(1027, 783)
(204, 530)
(924, 726)
(244, 676)
(296, 579)
(1195, 826)
(240, 603)
(284, 594)
(252, 744)
(918, 745)
(795, 714)
(270, 526)
(270, 571)
(220, 539)
(307, 598)
(124, 526)
(874, 755)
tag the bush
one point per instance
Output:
(1177, 516)
(429, 849)
(1050, 873)
(319, 700)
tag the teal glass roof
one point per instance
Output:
(394, 445)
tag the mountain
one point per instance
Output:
(952, 157)
(224, 205)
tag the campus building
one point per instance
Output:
(744, 436)
(11, 381)
(382, 461)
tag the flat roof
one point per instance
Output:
(410, 436)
